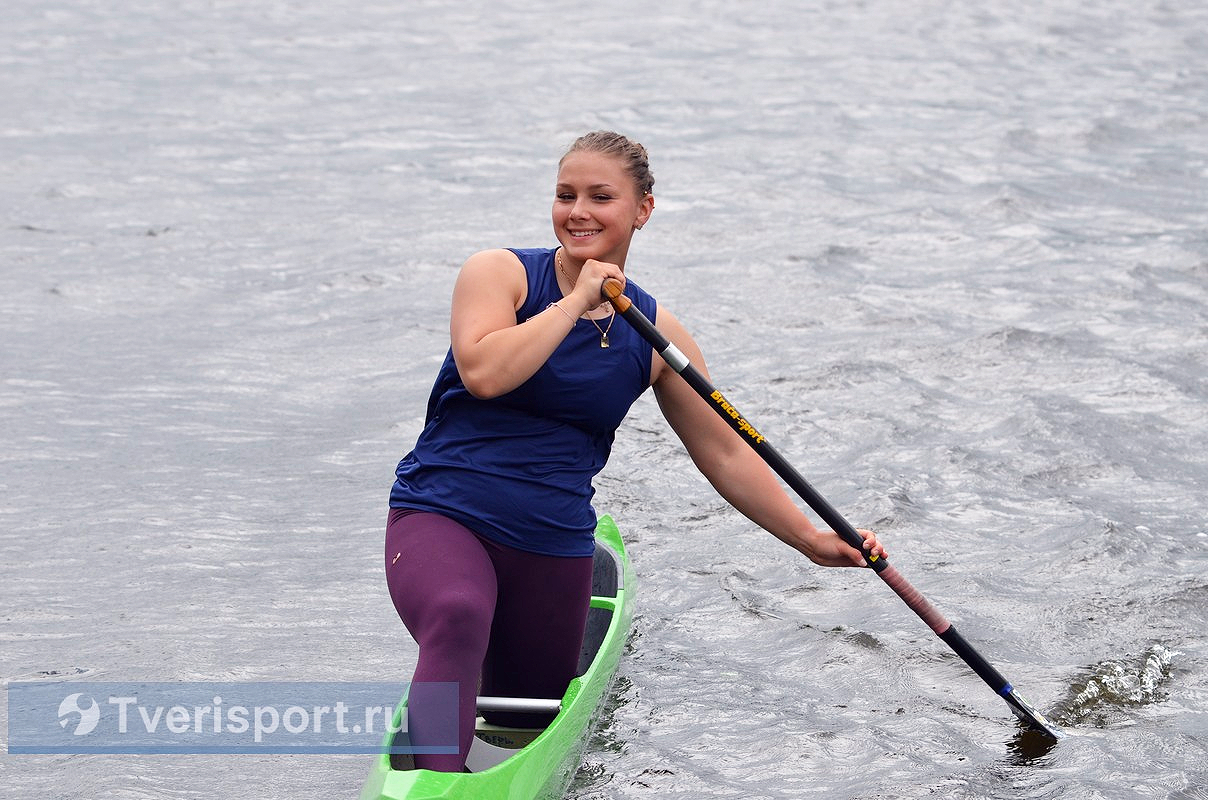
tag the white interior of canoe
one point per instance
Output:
(494, 744)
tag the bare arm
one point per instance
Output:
(737, 471)
(494, 355)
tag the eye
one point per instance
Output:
(602, 198)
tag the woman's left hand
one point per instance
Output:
(829, 550)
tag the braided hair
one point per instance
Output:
(631, 154)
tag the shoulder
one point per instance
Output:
(499, 258)
(494, 266)
(490, 271)
(516, 260)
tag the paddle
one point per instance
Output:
(612, 290)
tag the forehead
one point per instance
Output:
(594, 169)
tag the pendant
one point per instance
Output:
(604, 340)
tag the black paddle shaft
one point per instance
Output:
(613, 292)
(663, 346)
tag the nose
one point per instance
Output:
(578, 210)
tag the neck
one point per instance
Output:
(572, 265)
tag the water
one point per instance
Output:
(952, 261)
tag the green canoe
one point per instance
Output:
(519, 764)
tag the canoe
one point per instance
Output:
(519, 763)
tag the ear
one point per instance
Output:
(645, 209)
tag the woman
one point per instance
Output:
(491, 526)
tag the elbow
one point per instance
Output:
(484, 391)
(486, 374)
(483, 384)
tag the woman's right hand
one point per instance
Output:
(589, 285)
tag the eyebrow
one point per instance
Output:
(593, 188)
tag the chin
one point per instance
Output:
(593, 249)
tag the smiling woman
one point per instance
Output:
(491, 524)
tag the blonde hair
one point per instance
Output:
(631, 154)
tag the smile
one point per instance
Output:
(584, 234)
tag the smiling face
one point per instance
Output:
(596, 207)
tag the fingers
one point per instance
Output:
(599, 271)
(592, 276)
(829, 549)
(872, 545)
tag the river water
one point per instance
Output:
(950, 258)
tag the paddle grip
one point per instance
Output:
(612, 291)
(913, 598)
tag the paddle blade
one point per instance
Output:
(1029, 716)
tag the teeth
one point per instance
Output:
(581, 234)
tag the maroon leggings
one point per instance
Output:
(482, 611)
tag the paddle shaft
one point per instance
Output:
(612, 290)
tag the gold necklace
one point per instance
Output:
(612, 311)
(604, 331)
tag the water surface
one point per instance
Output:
(951, 260)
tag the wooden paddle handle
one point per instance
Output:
(614, 293)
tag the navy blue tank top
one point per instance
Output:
(518, 469)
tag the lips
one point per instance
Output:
(584, 234)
